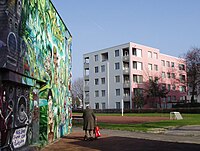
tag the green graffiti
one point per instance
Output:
(48, 60)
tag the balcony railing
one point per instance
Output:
(86, 77)
(126, 84)
(87, 99)
(86, 65)
(87, 88)
(126, 71)
(126, 98)
(126, 58)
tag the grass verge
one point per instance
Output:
(188, 119)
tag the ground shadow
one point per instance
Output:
(131, 144)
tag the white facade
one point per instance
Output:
(113, 71)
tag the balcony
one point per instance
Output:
(87, 88)
(87, 100)
(86, 65)
(126, 98)
(126, 71)
(86, 77)
(126, 58)
(126, 84)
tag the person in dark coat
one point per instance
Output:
(89, 122)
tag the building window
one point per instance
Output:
(156, 79)
(164, 99)
(173, 98)
(96, 81)
(173, 87)
(103, 105)
(127, 93)
(104, 56)
(169, 99)
(169, 87)
(168, 75)
(96, 93)
(96, 57)
(150, 66)
(182, 78)
(103, 80)
(134, 51)
(96, 105)
(103, 93)
(149, 54)
(181, 67)
(134, 65)
(163, 62)
(96, 69)
(117, 79)
(87, 60)
(155, 55)
(173, 75)
(172, 64)
(155, 67)
(137, 52)
(137, 78)
(163, 74)
(137, 65)
(117, 66)
(182, 88)
(118, 105)
(168, 63)
(103, 68)
(117, 92)
(116, 53)
(163, 86)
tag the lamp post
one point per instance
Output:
(122, 107)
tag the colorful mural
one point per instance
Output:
(35, 60)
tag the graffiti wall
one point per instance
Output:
(35, 74)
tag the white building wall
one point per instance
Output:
(110, 85)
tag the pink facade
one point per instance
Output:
(147, 62)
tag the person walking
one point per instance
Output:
(89, 123)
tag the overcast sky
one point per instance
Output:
(173, 26)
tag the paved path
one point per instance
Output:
(114, 140)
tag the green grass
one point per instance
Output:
(188, 119)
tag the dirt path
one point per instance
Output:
(129, 119)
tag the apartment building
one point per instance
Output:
(112, 76)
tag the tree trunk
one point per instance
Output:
(160, 102)
(192, 97)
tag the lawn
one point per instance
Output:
(188, 119)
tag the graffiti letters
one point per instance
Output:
(19, 137)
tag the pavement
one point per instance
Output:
(183, 138)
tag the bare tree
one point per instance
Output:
(192, 58)
(77, 91)
(155, 89)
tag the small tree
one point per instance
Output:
(192, 58)
(77, 91)
(156, 90)
(138, 100)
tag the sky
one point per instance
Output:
(172, 26)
